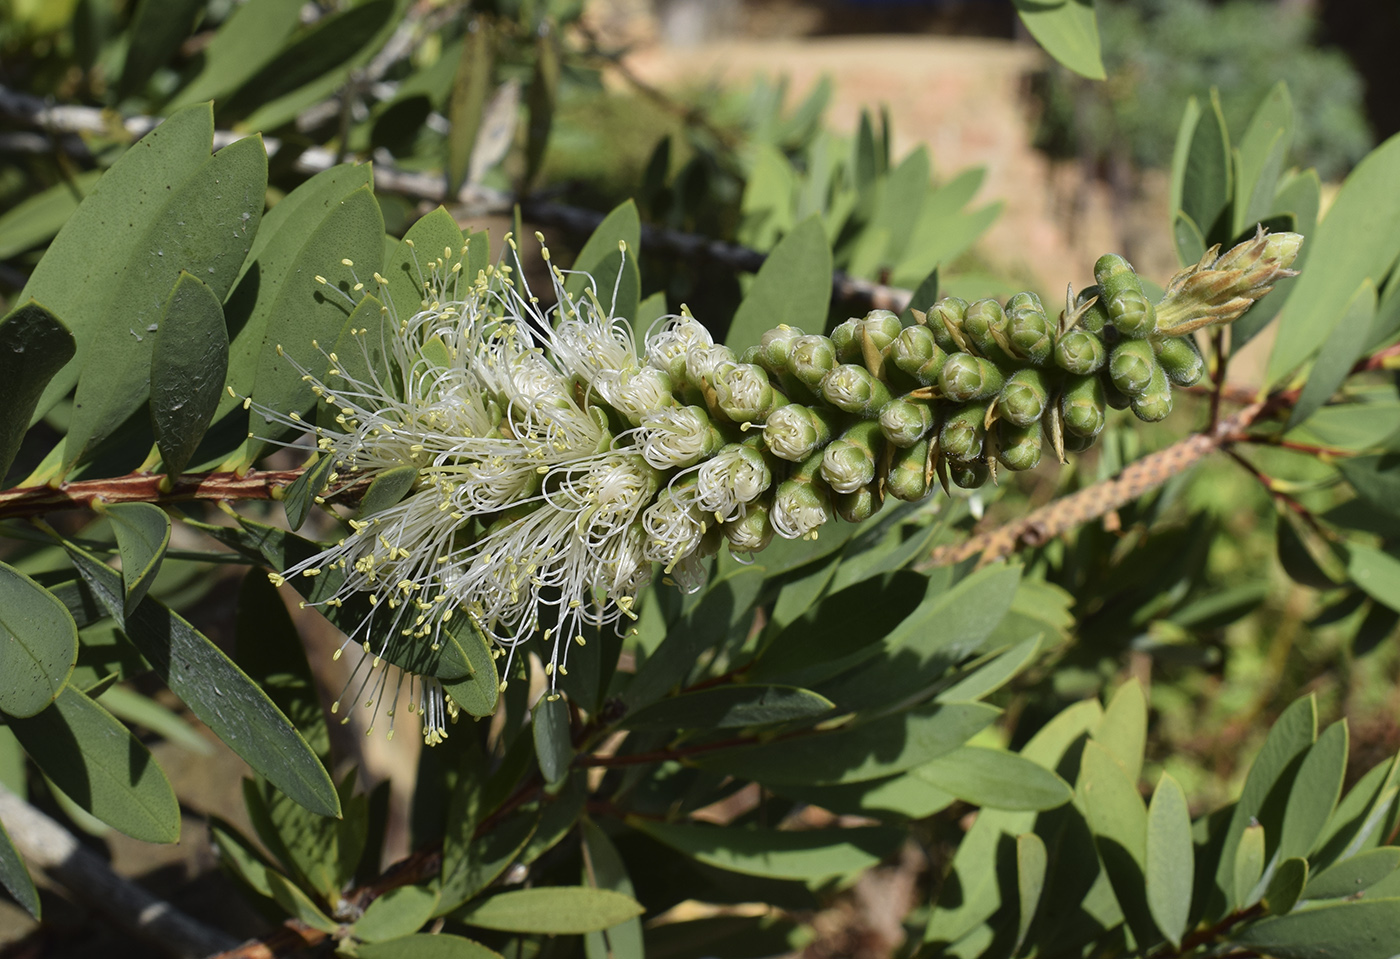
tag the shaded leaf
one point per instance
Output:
(603, 265)
(157, 29)
(806, 854)
(467, 105)
(36, 219)
(252, 35)
(603, 868)
(1030, 882)
(239, 857)
(553, 747)
(143, 534)
(793, 287)
(1357, 930)
(1354, 875)
(38, 644)
(387, 489)
(34, 346)
(554, 911)
(729, 707)
(1339, 353)
(425, 946)
(1286, 885)
(189, 363)
(398, 913)
(1118, 818)
(131, 707)
(269, 650)
(1315, 792)
(15, 877)
(1376, 572)
(995, 778)
(299, 904)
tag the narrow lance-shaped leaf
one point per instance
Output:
(101, 766)
(553, 910)
(189, 362)
(603, 868)
(1030, 881)
(216, 690)
(143, 534)
(468, 102)
(34, 346)
(1171, 859)
(15, 877)
(38, 644)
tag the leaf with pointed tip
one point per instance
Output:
(34, 346)
(38, 644)
(299, 904)
(1315, 792)
(143, 534)
(189, 363)
(1069, 32)
(301, 495)
(1171, 859)
(15, 877)
(729, 707)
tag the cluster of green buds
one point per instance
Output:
(552, 459)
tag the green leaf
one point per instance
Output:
(995, 778)
(131, 707)
(482, 860)
(1356, 930)
(157, 30)
(126, 203)
(552, 911)
(398, 913)
(993, 674)
(205, 226)
(1341, 351)
(730, 707)
(1293, 732)
(239, 857)
(1376, 572)
(480, 690)
(1171, 859)
(1349, 819)
(34, 346)
(1315, 792)
(540, 100)
(1248, 864)
(1068, 30)
(881, 747)
(1030, 882)
(806, 854)
(100, 766)
(15, 877)
(298, 498)
(1207, 182)
(793, 287)
(1123, 729)
(410, 268)
(1286, 885)
(470, 88)
(1376, 480)
(252, 35)
(1356, 240)
(269, 650)
(603, 868)
(305, 312)
(903, 796)
(1118, 818)
(143, 534)
(189, 363)
(35, 220)
(426, 946)
(602, 264)
(217, 691)
(1181, 152)
(1355, 875)
(1260, 156)
(38, 644)
(387, 489)
(299, 904)
(553, 747)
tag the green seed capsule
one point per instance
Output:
(857, 506)
(1019, 446)
(810, 359)
(848, 463)
(984, 325)
(855, 389)
(1181, 359)
(908, 480)
(963, 432)
(1128, 307)
(1092, 318)
(1154, 403)
(916, 353)
(1131, 366)
(1028, 328)
(905, 421)
(1082, 407)
(1080, 352)
(945, 320)
(969, 474)
(1023, 398)
(965, 378)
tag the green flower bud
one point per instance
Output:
(1121, 292)
(775, 346)
(800, 507)
(1023, 398)
(859, 505)
(985, 326)
(854, 389)
(1091, 316)
(965, 377)
(1028, 328)
(945, 321)
(908, 478)
(1131, 366)
(848, 463)
(962, 433)
(905, 421)
(1115, 397)
(1080, 352)
(751, 530)
(969, 474)
(846, 339)
(1082, 407)
(794, 432)
(1218, 290)
(882, 328)
(678, 436)
(917, 354)
(1181, 359)
(1074, 443)
(1019, 446)
(1154, 403)
(810, 359)
(742, 392)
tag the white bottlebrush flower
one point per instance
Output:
(678, 436)
(529, 514)
(733, 477)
